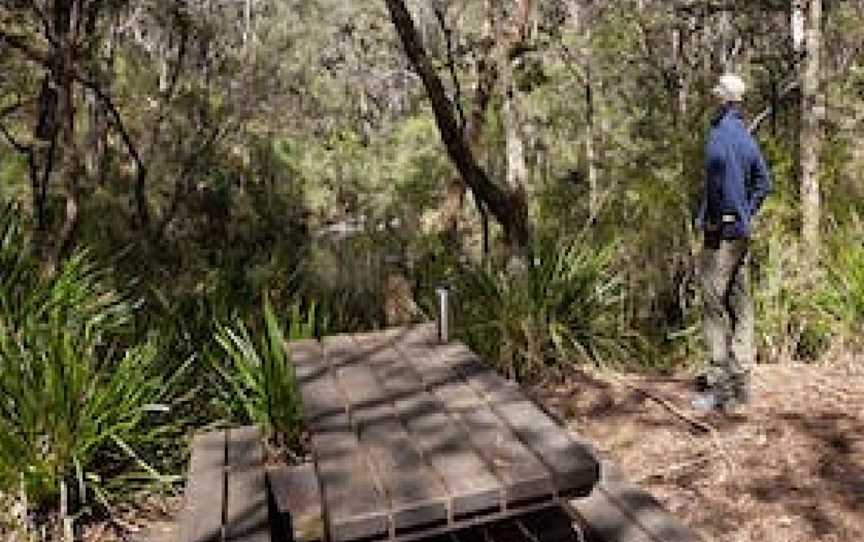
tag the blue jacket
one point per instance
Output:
(736, 177)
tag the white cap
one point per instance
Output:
(730, 88)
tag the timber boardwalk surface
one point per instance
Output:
(411, 437)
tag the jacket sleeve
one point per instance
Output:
(761, 179)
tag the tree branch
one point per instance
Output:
(499, 203)
(765, 113)
(141, 181)
(15, 144)
(187, 170)
(18, 146)
(451, 65)
(42, 58)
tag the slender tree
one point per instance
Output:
(812, 114)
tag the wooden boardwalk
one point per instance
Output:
(411, 437)
(411, 440)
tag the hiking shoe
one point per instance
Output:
(709, 379)
(708, 401)
(702, 383)
(742, 395)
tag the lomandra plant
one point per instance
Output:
(77, 400)
(563, 307)
(256, 376)
(841, 298)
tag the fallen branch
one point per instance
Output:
(668, 405)
(702, 457)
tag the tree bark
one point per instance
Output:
(577, 18)
(512, 111)
(486, 75)
(812, 113)
(590, 130)
(72, 168)
(97, 116)
(506, 209)
(796, 25)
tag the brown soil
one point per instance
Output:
(787, 468)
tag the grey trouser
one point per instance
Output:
(728, 314)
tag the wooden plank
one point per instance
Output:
(619, 510)
(399, 380)
(446, 445)
(522, 475)
(574, 466)
(416, 496)
(422, 334)
(643, 508)
(440, 379)
(442, 441)
(605, 521)
(321, 399)
(201, 520)
(246, 516)
(308, 358)
(298, 501)
(467, 522)
(353, 507)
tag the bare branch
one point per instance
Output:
(18, 146)
(451, 64)
(765, 113)
(42, 58)
(15, 144)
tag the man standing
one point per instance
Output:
(736, 183)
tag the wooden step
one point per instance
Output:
(298, 501)
(620, 511)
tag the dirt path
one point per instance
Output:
(789, 468)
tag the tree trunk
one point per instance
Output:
(812, 113)
(590, 131)
(512, 120)
(577, 18)
(45, 135)
(72, 169)
(509, 211)
(796, 25)
(486, 75)
(97, 139)
(725, 29)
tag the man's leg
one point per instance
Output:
(715, 274)
(742, 318)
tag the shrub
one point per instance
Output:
(256, 378)
(562, 308)
(76, 397)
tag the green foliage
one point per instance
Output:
(257, 381)
(564, 308)
(790, 302)
(76, 398)
(841, 296)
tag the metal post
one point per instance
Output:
(443, 314)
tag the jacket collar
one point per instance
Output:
(726, 110)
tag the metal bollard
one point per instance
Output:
(443, 314)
